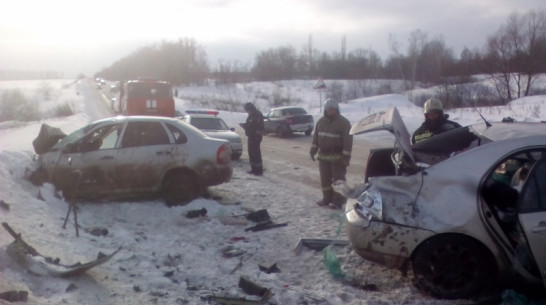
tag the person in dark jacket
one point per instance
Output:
(333, 143)
(254, 127)
(436, 122)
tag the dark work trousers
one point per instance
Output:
(331, 171)
(255, 154)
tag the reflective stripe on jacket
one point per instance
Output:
(332, 138)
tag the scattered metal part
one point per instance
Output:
(14, 296)
(266, 226)
(29, 258)
(231, 251)
(271, 269)
(258, 216)
(4, 205)
(253, 288)
(97, 231)
(239, 265)
(318, 244)
(231, 300)
(196, 213)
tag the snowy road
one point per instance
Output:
(289, 158)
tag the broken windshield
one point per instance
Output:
(73, 137)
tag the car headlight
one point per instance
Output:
(369, 204)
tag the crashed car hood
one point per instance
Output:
(389, 120)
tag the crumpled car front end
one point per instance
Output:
(375, 221)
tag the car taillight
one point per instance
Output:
(223, 155)
(288, 120)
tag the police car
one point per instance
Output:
(212, 125)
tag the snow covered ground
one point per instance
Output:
(167, 258)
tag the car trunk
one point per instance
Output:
(298, 119)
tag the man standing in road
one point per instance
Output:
(333, 143)
(254, 127)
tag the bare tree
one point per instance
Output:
(516, 54)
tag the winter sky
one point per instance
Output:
(83, 37)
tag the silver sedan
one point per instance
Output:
(462, 208)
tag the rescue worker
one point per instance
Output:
(254, 127)
(333, 143)
(436, 122)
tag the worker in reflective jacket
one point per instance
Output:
(436, 122)
(333, 143)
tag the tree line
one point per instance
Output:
(512, 58)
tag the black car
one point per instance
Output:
(284, 121)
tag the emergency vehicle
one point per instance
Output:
(147, 97)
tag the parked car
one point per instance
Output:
(134, 156)
(462, 208)
(209, 122)
(284, 121)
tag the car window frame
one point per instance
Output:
(538, 184)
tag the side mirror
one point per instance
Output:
(232, 129)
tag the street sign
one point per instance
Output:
(320, 85)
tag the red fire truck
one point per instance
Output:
(147, 97)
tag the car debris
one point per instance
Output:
(266, 226)
(14, 296)
(318, 244)
(47, 137)
(4, 205)
(29, 258)
(97, 231)
(231, 251)
(232, 300)
(258, 216)
(196, 213)
(271, 269)
(254, 288)
(258, 294)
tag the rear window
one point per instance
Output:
(209, 123)
(293, 111)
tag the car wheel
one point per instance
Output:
(308, 132)
(235, 156)
(180, 188)
(452, 266)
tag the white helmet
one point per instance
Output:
(331, 103)
(433, 105)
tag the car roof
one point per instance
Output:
(132, 118)
(210, 116)
(505, 130)
(287, 107)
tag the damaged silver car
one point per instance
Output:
(463, 208)
(133, 156)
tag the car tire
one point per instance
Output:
(452, 266)
(180, 188)
(308, 132)
(235, 156)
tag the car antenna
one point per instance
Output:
(486, 122)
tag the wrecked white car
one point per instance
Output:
(463, 208)
(134, 156)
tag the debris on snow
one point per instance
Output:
(29, 258)
(318, 244)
